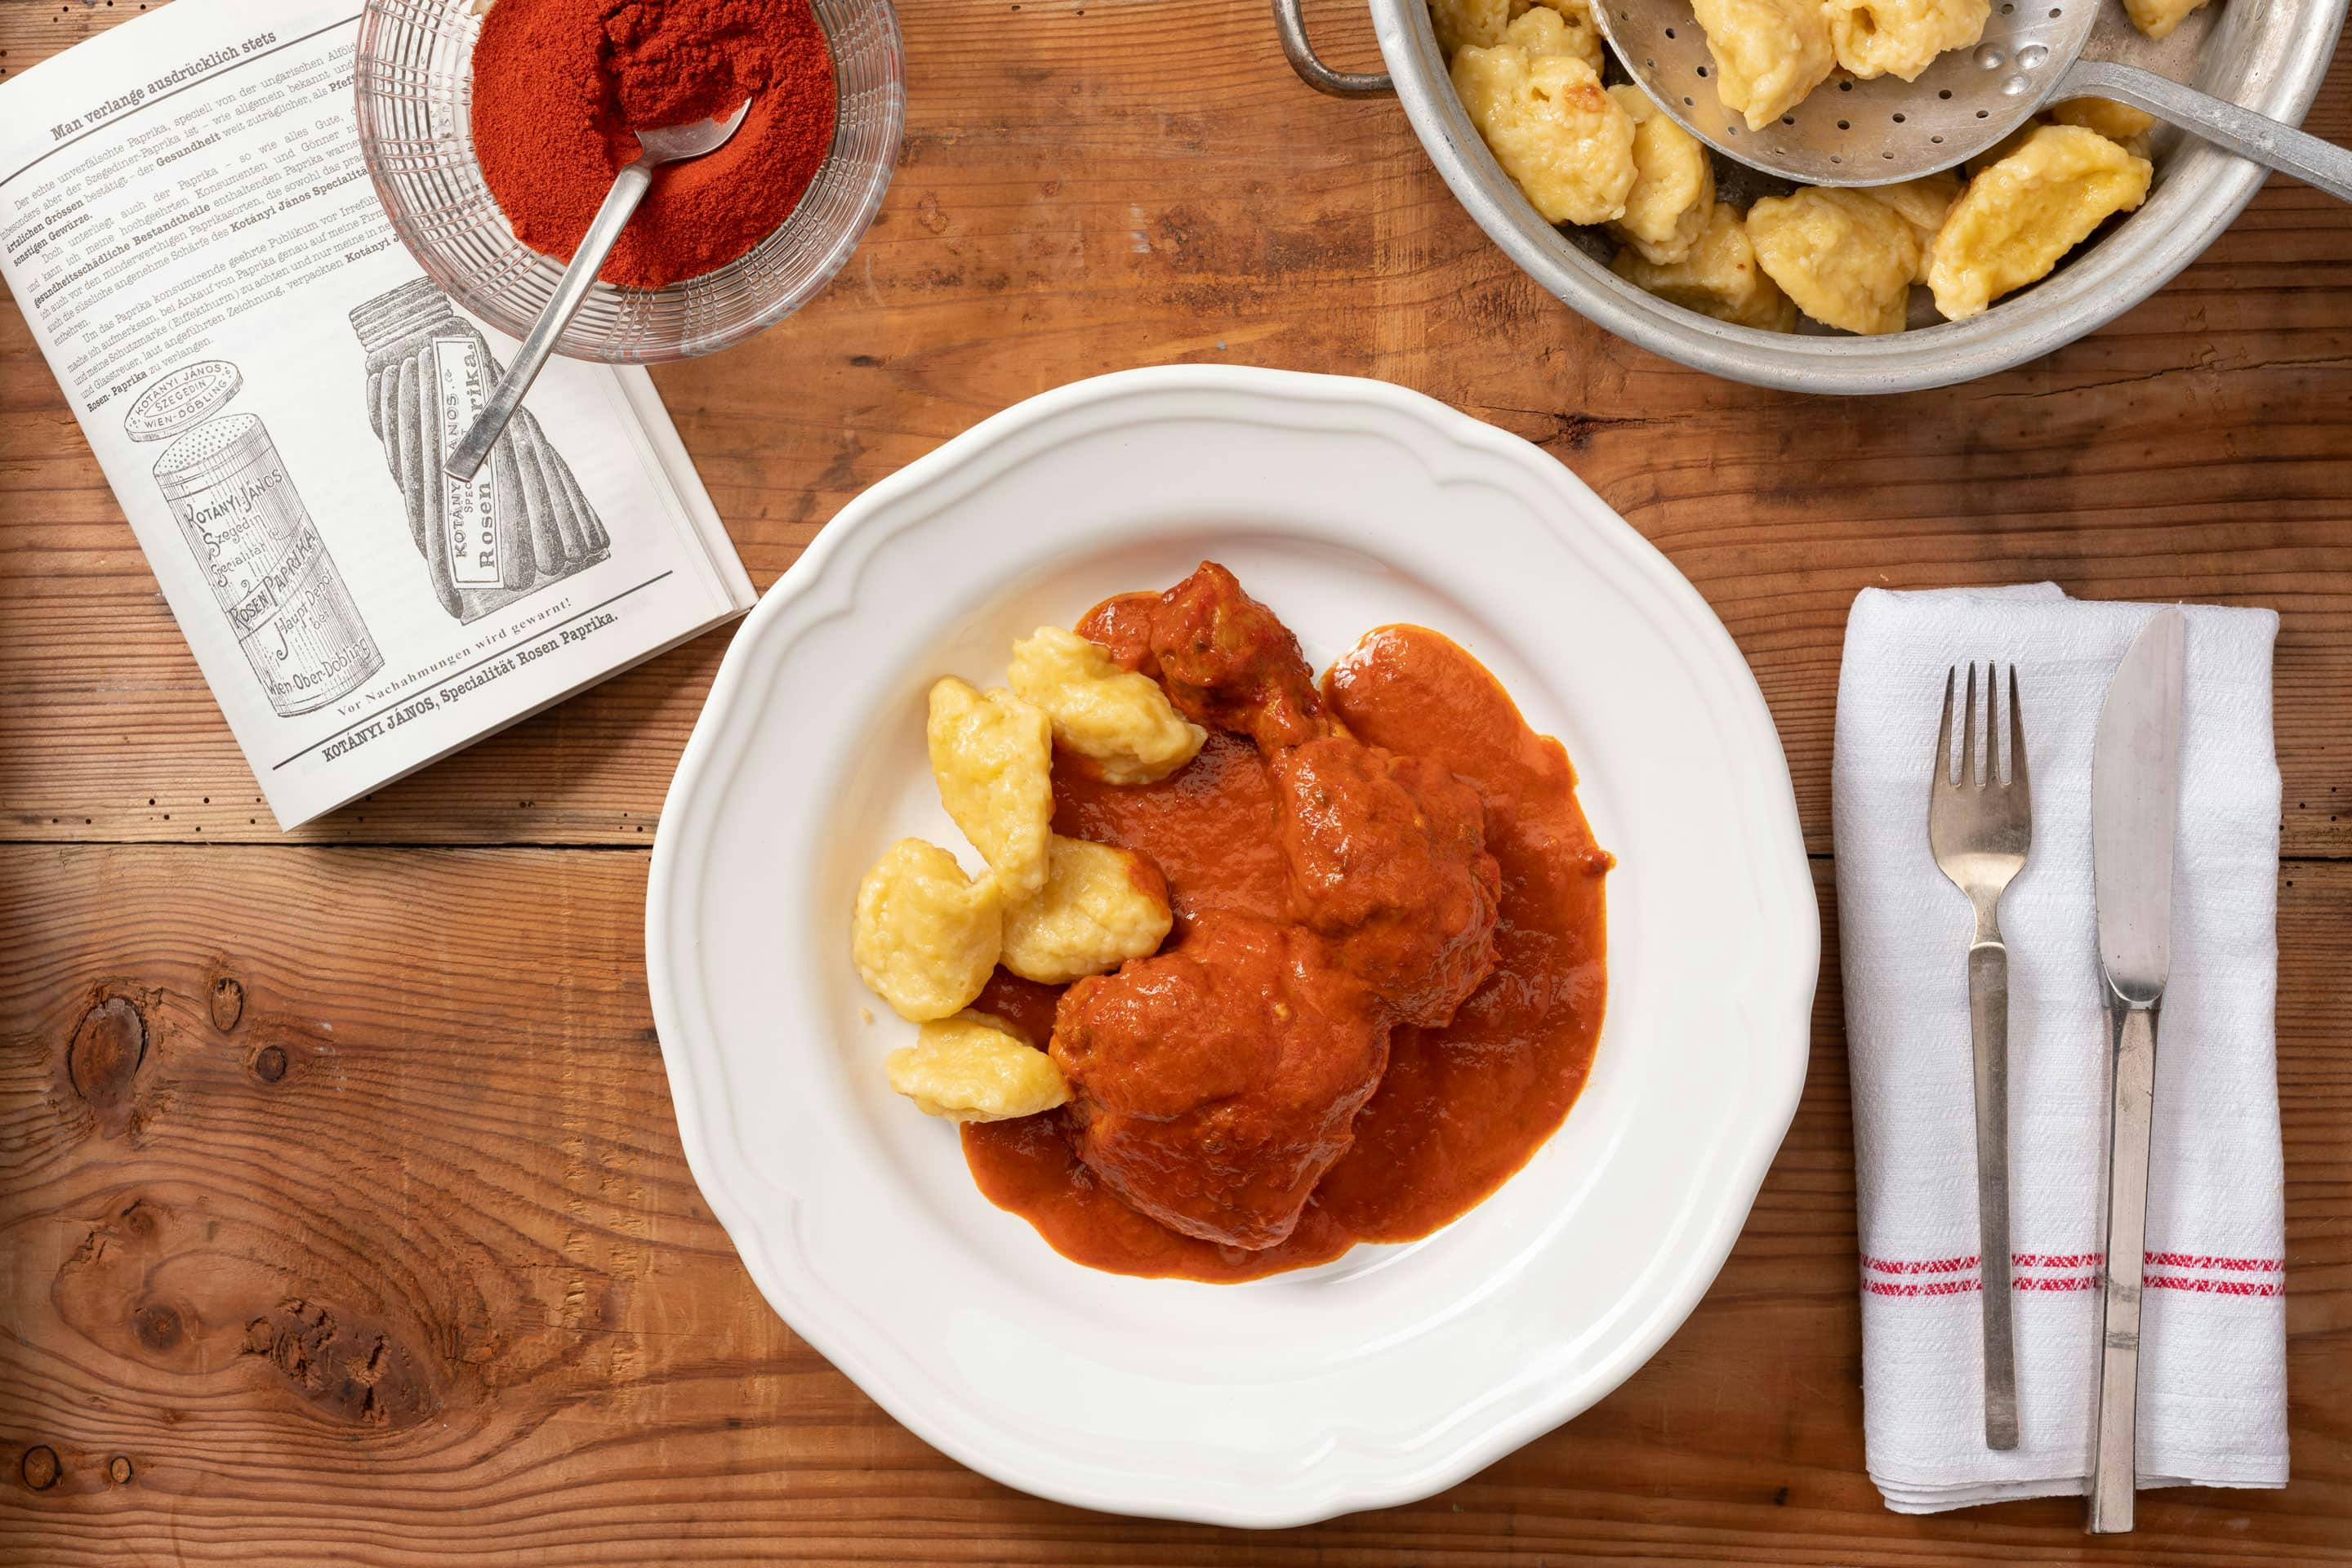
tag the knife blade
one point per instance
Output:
(2134, 780)
(2135, 793)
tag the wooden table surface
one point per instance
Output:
(341, 1211)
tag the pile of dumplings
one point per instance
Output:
(925, 936)
(1528, 75)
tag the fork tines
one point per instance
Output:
(1962, 772)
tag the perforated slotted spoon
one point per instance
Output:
(1853, 132)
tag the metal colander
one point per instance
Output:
(2268, 56)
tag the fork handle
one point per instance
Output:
(1989, 1027)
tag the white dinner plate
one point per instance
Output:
(1395, 1371)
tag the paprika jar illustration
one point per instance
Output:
(522, 521)
(236, 505)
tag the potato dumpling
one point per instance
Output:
(1482, 23)
(1122, 721)
(1719, 278)
(1767, 53)
(2156, 18)
(1845, 259)
(974, 1068)
(924, 936)
(992, 757)
(1674, 184)
(1924, 204)
(2115, 122)
(2001, 149)
(1902, 37)
(1467, 24)
(1563, 28)
(1564, 141)
(1100, 907)
(2018, 217)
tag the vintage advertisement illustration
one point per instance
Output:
(521, 524)
(236, 505)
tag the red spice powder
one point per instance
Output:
(558, 84)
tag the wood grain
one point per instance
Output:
(1088, 188)
(341, 1213)
(365, 1238)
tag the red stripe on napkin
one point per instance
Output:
(2082, 1273)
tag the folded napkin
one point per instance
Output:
(2212, 1379)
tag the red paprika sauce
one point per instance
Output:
(1461, 1107)
(558, 84)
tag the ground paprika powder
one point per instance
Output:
(559, 83)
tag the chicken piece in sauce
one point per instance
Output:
(1387, 862)
(1213, 1085)
(1228, 664)
(1121, 626)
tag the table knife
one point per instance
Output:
(2134, 783)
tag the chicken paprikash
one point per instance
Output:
(1274, 968)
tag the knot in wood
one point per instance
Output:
(159, 1325)
(41, 1467)
(227, 1003)
(351, 1368)
(118, 1469)
(103, 1059)
(269, 1064)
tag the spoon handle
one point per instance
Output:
(2225, 124)
(629, 188)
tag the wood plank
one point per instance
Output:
(346, 1218)
(347, 1213)
(1084, 189)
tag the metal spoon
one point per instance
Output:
(1848, 132)
(666, 144)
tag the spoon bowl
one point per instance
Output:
(673, 143)
(1849, 131)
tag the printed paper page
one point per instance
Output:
(269, 382)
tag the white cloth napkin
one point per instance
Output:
(2212, 1381)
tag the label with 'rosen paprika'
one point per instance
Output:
(469, 510)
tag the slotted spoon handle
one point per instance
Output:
(2320, 163)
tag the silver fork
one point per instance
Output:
(1980, 830)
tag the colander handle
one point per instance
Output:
(1290, 21)
(2267, 142)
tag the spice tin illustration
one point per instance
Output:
(236, 505)
(522, 521)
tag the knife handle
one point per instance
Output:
(1989, 1031)
(2115, 1472)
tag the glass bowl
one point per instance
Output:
(415, 85)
